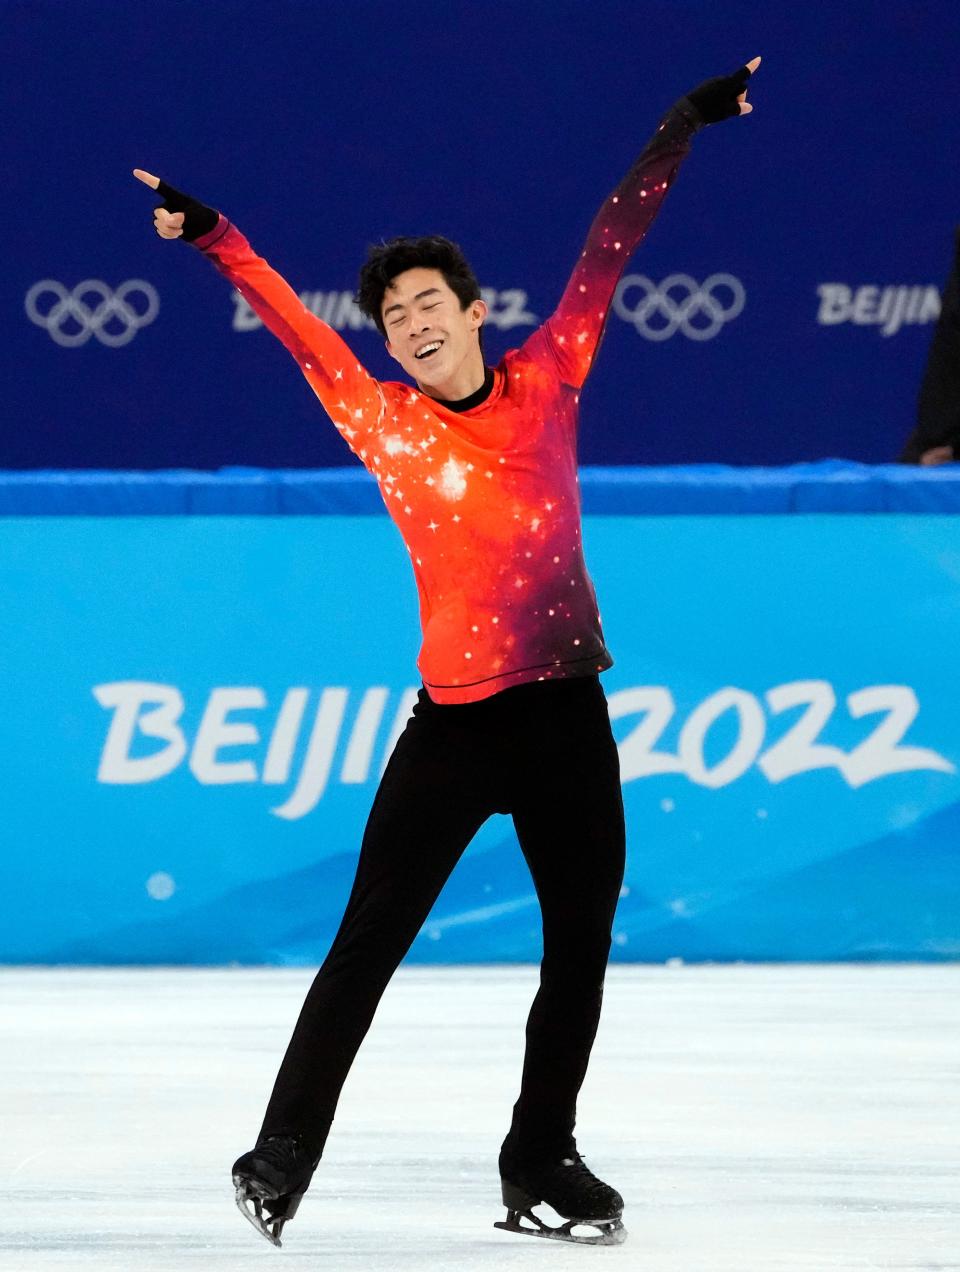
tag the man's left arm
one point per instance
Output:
(573, 332)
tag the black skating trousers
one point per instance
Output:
(543, 752)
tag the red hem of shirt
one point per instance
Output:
(449, 694)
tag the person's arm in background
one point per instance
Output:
(574, 331)
(936, 439)
(350, 395)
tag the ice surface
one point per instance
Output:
(753, 1117)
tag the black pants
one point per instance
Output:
(543, 752)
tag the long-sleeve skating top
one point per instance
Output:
(486, 499)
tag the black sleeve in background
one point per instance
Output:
(938, 408)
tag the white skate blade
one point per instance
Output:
(610, 1231)
(250, 1204)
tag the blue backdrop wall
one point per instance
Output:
(789, 285)
(195, 712)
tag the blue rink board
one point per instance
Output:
(829, 485)
(194, 721)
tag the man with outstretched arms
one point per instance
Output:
(477, 467)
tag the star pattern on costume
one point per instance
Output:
(490, 569)
(453, 481)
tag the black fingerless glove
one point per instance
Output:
(199, 219)
(716, 99)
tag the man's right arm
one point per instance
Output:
(350, 395)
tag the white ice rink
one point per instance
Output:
(753, 1118)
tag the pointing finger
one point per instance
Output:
(147, 178)
(753, 64)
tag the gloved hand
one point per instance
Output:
(178, 216)
(724, 96)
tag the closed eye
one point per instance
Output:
(395, 322)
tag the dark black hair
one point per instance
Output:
(388, 259)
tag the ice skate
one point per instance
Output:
(566, 1185)
(270, 1181)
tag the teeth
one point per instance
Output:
(428, 348)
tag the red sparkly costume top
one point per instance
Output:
(486, 499)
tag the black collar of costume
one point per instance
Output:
(474, 399)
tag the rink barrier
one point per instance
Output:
(832, 486)
(204, 675)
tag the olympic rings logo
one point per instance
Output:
(70, 310)
(699, 314)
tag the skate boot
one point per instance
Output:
(271, 1179)
(565, 1183)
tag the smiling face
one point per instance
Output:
(433, 339)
